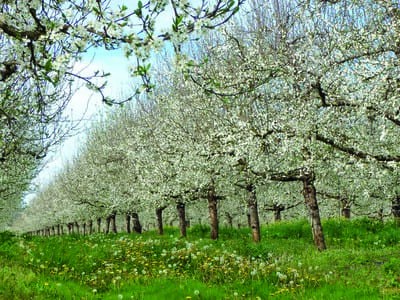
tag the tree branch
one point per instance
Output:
(355, 152)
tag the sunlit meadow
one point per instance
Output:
(363, 262)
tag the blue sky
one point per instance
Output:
(86, 105)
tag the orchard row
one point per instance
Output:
(289, 106)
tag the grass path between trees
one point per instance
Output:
(362, 262)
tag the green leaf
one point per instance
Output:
(48, 65)
(142, 70)
(178, 20)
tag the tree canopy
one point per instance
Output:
(292, 102)
(41, 41)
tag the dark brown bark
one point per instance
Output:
(345, 203)
(346, 212)
(84, 228)
(310, 198)
(213, 212)
(396, 210)
(248, 219)
(180, 206)
(278, 215)
(253, 212)
(108, 222)
(346, 207)
(381, 215)
(98, 225)
(113, 222)
(77, 227)
(58, 229)
(159, 217)
(90, 225)
(355, 152)
(229, 218)
(279, 208)
(137, 227)
(128, 222)
(70, 228)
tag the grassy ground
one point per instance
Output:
(362, 262)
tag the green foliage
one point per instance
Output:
(362, 233)
(6, 236)
(283, 266)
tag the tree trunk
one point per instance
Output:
(90, 225)
(248, 219)
(346, 212)
(128, 222)
(380, 215)
(278, 209)
(229, 218)
(213, 211)
(98, 225)
(396, 210)
(180, 206)
(58, 229)
(84, 228)
(113, 222)
(253, 212)
(160, 227)
(77, 227)
(310, 198)
(137, 227)
(108, 221)
(70, 228)
(277, 215)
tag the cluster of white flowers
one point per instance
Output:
(257, 106)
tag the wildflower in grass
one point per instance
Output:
(281, 276)
(196, 292)
(294, 272)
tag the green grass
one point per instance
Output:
(362, 262)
